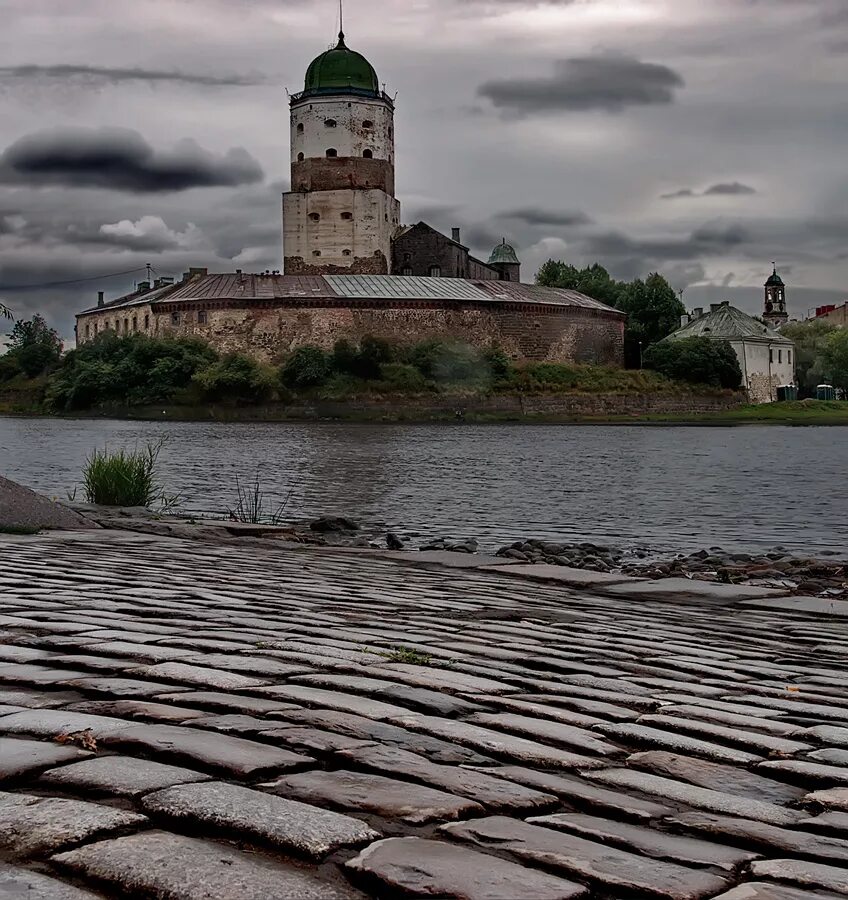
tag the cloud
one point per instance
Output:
(723, 189)
(118, 75)
(151, 233)
(530, 216)
(120, 160)
(609, 83)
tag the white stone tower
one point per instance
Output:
(341, 213)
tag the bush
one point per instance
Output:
(35, 346)
(404, 378)
(364, 361)
(448, 362)
(307, 367)
(697, 360)
(500, 365)
(237, 378)
(123, 478)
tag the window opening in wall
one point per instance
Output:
(300, 128)
(316, 252)
(345, 252)
(87, 330)
(95, 327)
(789, 357)
(367, 124)
(175, 318)
(332, 153)
(347, 215)
(780, 356)
(435, 271)
(146, 322)
(135, 323)
(771, 355)
(368, 154)
(406, 270)
(201, 317)
(300, 157)
(126, 326)
(329, 123)
(315, 217)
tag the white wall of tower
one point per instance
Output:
(361, 125)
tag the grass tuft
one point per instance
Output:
(124, 478)
(408, 655)
(250, 506)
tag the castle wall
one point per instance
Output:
(524, 332)
(126, 320)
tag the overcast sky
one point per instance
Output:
(699, 138)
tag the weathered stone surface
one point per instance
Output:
(797, 771)
(315, 740)
(698, 797)
(761, 890)
(564, 574)
(540, 710)
(826, 734)
(22, 883)
(197, 675)
(642, 736)
(752, 723)
(286, 824)
(159, 864)
(20, 757)
(802, 872)
(386, 797)
(600, 864)
(583, 793)
(768, 837)
(835, 823)
(701, 772)
(548, 731)
(137, 710)
(648, 841)
(32, 825)
(495, 793)
(690, 589)
(352, 703)
(119, 776)
(424, 868)
(495, 742)
(50, 723)
(832, 798)
(223, 753)
(227, 703)
(36, 699)
(823, 606)
(268, 669)
(22, 508)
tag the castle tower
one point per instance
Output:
(775, 313)
(341, 213)
(503, 258)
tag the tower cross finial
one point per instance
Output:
(341, 20)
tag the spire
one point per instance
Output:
(341, 23)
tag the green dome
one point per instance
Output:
(341, 70)
(774, 280)
(503, 253)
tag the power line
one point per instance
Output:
(49, 284)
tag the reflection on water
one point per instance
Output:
(664, 488)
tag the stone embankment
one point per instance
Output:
(256, 718)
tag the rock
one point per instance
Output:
(801, 872)
(22, 508)
(159, 864)
(333, 523)
(761, 890)
(21, 757)
(28, 885)
(119, 776)
(423, 868)
(393, 542)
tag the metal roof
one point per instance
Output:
(134, 299)
(728, 323)
(404, 287)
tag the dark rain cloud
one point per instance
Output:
(609, 83)
(530, 216)
(722, 189)
(121, 160)
(117, 75)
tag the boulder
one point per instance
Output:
(21, 508)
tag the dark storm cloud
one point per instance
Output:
(723, 189)
(120, 160)
(529, 216)
(117, 75)
(609, 83)
(706, 241)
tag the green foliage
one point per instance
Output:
(500, 365)
(34, 348)
(810, 339)
(124, 478)
(365, 361)
(250, 505)
(307, 367)
(697, 360)
(594, 281)
(553, 377)
(449, 362)
(403, 378)
(835, 357)
(408, 655)
(235, 378)
(126, 371)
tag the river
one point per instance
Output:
(666, 489)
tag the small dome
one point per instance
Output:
(503, 253)
(341, 70)
(774, 280)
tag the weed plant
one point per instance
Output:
(125, 478)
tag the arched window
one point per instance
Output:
(345, 252)
(435, 271)
(368, 154)
(347, 215)
(332, 153)
(329, 123)
(300, 157)
(367, 124)
(316, 252)
(300, 128)
(315, 217)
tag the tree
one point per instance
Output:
(308, 366)
(810, 339)
(835, 357)
(594, 281)
(5, 312)
(34, 346)
(698, 360)
(236, 378)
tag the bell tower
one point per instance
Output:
(774, 313)
(341, 213)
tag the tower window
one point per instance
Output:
(789, 357)
(406, 270)
(134, 323)
(87, 330)
(347, 215)
(316, 252)
(332, 153)
(300, 157)
(201, 317)
(300, 128)
(780, 356)
(367, 124)
(345, 252)
(771, 355)
(329, 123)
(435, 271)
(368, 154)
(315, 217)
(146, 322)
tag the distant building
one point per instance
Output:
(774, 309)
(421, 250)
(767, 359)
(833, 314)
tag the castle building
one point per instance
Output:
(774, 309)
(351, 269)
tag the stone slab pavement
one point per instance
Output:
(197, 719)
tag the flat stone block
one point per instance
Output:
(286, 824)
(762, 890)
(833, 798)
(119, 776)
(200, 676)
(386, 797)
(19, 757)
(690, 589)
(814, 606)
(160, 864)
(797, 871)
(26, 885)
(424, 868)
(32, 826)
(562, 574)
